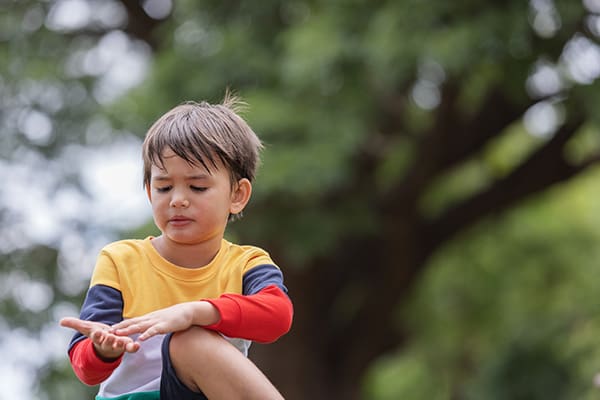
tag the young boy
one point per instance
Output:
(161, 314)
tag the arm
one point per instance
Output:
(262, 313)
(262, 317)
(103, 306)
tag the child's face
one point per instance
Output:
(190, 205)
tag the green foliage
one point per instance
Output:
(508, 310)
(56, 382)
(584, 145)
(499, 158)
(410, 376)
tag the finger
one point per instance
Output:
(82, 326)
(125, 323)
(116, 341)
(68, 322)
(109, 340)
(132, 347)
(148, 333)
(121, 342)
(98, 337)
(130, 330)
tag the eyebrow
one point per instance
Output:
(189, 177)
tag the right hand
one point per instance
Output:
(178, 317)
(108, 346)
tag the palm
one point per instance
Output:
(106, 342)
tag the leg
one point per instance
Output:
(205, 361)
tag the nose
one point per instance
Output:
(179, 201)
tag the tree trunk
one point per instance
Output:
(338, 333)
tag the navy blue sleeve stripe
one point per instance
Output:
(260, 277)
(102, 304)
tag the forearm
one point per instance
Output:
(204, 313)
(103, 304)
(261, 317)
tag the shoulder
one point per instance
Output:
(125, 250)
(244, 251)
(118, 259)
(249, 256)
(125, 247)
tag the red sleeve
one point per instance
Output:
(262, 317)
(88, 367)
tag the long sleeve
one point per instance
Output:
(262, 317)
(88, 367)
(102, 304)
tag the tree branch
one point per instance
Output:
(140, 25)
(450, 141)
(542, 169)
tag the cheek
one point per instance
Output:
(158, 209)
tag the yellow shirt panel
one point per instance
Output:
(148, 282)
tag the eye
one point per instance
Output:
(163, 189)
(198, 188)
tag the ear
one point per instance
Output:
(148, 192)
(240, 196)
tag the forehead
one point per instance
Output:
(174, 164)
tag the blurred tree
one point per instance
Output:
(390, 128)
(507, 311)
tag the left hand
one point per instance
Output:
(171, 319)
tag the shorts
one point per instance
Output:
(171, 388)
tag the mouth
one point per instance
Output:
(179, 220)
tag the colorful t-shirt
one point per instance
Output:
(131, 279)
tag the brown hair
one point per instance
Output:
(199, 132)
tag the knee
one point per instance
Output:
(193, 342)
(186, 348)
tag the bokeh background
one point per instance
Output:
(429, 185)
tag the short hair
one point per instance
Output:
(199, 132)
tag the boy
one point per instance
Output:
(160, 314)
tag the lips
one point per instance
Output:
(179, 220)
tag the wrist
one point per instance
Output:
(205, 313)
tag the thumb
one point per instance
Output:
(84, 327)
(67, 322)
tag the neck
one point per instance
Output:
(195, 255)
